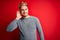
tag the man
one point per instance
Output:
(26, 23)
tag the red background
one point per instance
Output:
(48, 12)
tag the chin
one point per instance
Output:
(24, 15)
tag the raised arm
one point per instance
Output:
(13, 25)
(39, 28)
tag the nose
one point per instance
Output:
(24, 11)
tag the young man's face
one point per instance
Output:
(24, 11)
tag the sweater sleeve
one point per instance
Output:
(12, 26)
(39, 28)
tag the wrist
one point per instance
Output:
(17, 18)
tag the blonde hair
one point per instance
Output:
(22, 4)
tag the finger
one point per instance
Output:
(18, 12)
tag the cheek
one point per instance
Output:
(22, 12)
(26, 11)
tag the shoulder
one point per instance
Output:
(35, 18)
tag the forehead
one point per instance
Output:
(24, 7)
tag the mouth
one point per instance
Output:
(24, 13)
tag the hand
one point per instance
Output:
(18, 16)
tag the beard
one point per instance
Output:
(25, 15)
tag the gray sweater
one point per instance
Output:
(27, 27)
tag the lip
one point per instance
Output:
(24, 13)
